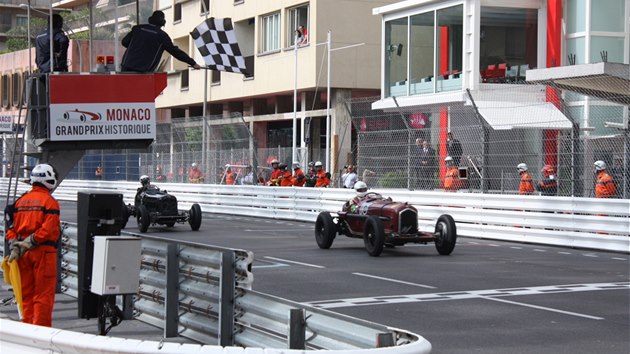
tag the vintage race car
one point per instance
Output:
(382, 222)
(154, 206)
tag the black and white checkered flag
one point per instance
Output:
(216, 41)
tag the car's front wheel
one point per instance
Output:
(194, 217)
(325, 230)
(445, 235)
(374, 236)
(143, 217)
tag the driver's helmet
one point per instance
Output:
(521, 167)
(145, 180)
(361, 188)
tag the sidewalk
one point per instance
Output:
(65, 317)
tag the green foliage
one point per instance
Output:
(393, 179)
(193, 138)
(17, 37)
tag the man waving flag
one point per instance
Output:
(216, 41)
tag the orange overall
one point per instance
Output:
(451, 181)
(322, 179)
(37, 213)
(527, 185)
(604, 186)
(298, 179)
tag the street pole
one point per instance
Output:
(205, 104)
(50, 36)
(294, 145)
(28, 29)
(328, 99)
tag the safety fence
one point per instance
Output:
(204, 293)
(563, 221)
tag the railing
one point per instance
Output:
(563, 221)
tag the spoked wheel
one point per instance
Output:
(374, 236)
(445, 235)
(194, 217)
(143, 217)
(325, 230)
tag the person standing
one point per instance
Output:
(285, 178)
(146, 43)
(98, 173)
(526, 186)
(451, 180)
(159, 176)
(549, 185)
(426, 166)
(195, 175)
(604, 184)
(276, 173)
(229, 176)
(454, 148)
(349, 178)
(60, 47)
(323, 177)
(33, 237)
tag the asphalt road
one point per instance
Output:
(486, 297)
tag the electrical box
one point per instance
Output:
(116, 267)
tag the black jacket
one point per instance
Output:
(145, 45)
(60, 47)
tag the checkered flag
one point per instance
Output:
(216, 41)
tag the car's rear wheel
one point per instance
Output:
(194, 217)
(445, 234)
(143, 217)
(374, 236)
(124, 215)
(325, 230)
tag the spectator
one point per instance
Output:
(367, 173)
(454, 149)
(60, 47)
(298, 178)
(98, 173)
(311, 177)
(274, 180)
(426, 166)
(451, 181)
(323, 177)
(285, 176)
(7, 172)
(349, 178)
(195, 175)
(159, 176)
(303, 37)
(33, 232)
(229, 176)
(146, 43)
(248, 176)
(604, 184)
(549, 185)
(526, 186)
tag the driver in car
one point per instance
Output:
(145, 181)
(362, 194)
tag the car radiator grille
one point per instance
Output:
(408, 222)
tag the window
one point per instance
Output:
(177, 12)
(297, 17)
(216, 77)
(17, 89)
(396, 57)
(449, 43)
(421, 44)
(21, 20)
(270, 33)
(205, 6)
(183, 79)
(6, 88)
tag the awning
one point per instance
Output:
(608, 81)
(504, 115)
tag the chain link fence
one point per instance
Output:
(491, 131)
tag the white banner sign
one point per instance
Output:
(6, 123)
(102, 121)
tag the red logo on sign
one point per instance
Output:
(418, 120)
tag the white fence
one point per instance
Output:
(563, 221)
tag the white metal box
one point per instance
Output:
(116, 267)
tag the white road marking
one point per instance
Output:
(265, 230)
(275, 265)
(516, 248)
(619, 259)
(590, 255)
(394, 280)
(543, 308)
(493, 245)
(539, 250)
(295, 262)
(564, 252)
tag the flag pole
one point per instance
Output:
(328, 42)
(204, 107)
(294, 146)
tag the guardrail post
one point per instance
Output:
(226, 299)
(385, 340)
(171, 298)
(297, 329)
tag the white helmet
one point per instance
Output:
(275, 161)
(296, 165)
(194, 164)
(600, 165)
(521, 167)
(318, 163)
(145, 180)
(448, 159)
(44, 174)
(361, 188)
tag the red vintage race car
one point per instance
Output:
(382, 222)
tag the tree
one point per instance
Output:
(17, 37)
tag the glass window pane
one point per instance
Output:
(271, 33)
(396, 57)
(576, 46)
(576, 16)
(599, 115)
(608, 15)
(613, 46)
(421, 54)
(449, 48)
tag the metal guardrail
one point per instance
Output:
(592, 223)
(204, 293)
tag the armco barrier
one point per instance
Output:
(204, 293)
(563, 221)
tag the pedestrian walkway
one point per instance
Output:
(65, 317)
